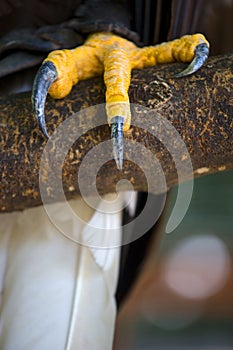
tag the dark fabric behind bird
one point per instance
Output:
(34, 13)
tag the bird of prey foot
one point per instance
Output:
(115, 57)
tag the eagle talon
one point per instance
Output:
(115, 57)
(45, 76)
(117, 124)
(201, 55)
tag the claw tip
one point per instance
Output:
(201, 55)
(117, 140)
(44, 78)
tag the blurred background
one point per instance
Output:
(184, 296)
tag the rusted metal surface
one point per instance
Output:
(199, 107)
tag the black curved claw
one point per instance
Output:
(117, 136)
(45, 76)
(201, 55)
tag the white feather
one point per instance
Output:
(58, 294)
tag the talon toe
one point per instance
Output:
(45, 76)
(117, 124)
(201, 55)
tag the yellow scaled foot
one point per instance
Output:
(115, 57)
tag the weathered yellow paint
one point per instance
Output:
(115, 57)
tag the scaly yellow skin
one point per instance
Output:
(115, 57)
